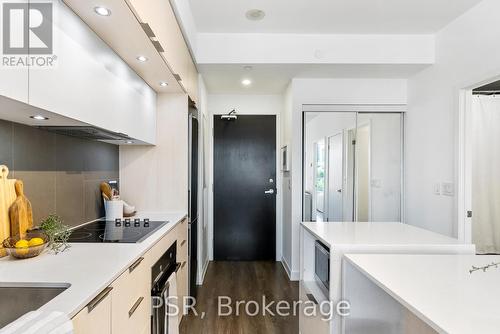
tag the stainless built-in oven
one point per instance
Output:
(160, 292)
(322, 266)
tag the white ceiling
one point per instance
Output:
(273, 79)
(329, 16)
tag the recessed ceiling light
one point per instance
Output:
(163, 84)
(255, 14)
(129, 142)
(246, 82)
(39, 117)
(142, 58)
(103, 11)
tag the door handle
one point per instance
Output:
(97, 300)
(270, 191)
(135, 306)
(135, 265)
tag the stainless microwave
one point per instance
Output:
(322, 266)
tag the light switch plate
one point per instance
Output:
(448, 189)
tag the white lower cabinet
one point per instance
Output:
(125, 306)
(96, 317)
(311, 324)
(131, 300)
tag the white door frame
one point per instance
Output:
(279, 190)
(464, 168)
(314, 195)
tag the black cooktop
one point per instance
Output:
(118, 231)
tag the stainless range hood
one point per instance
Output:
(86, 132)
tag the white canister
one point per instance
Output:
(114, 210)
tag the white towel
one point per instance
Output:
(37, 322)
(173, 318)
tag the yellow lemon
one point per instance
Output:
(22, 244)
(35, 242)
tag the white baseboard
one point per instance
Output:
(292, 275)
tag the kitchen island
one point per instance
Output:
(87, 269)
(357, 238)
(422, 294)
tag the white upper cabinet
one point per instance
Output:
(13, 77)
(91, 83)
(14, 83)
(160, 17)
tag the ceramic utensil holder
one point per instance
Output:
(114, 210)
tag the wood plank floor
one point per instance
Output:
(243, 281)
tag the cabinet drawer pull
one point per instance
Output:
(134, 308)
(135, 264)
(183, 264)
(183, 243)
(98, 299)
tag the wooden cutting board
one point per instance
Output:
(7, 197)
(20, 212)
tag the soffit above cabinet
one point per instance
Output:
(124, 34)
(19, 112)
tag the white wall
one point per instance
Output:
(245, 104)
(203, 231)
(264, 48)
(323, 91)
(156, 178)
(467, 53)
(219, 104)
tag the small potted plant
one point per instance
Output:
(57, 232)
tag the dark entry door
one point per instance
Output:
(245, 188)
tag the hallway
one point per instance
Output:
(248, 281)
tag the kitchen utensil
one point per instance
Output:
(25, 253)
(7, 197)
(129, 215)
(20, 212)
(114, 210)
(128, 209)
(106, 198)
(107, 190)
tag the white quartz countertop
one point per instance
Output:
(439, 288)
(379, 235)
(87, 267)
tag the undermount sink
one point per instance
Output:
(17, 299)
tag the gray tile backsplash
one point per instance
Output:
(61, 174)
(6, 142)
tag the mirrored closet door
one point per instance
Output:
(353, 166)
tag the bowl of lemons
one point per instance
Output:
(26, 246)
